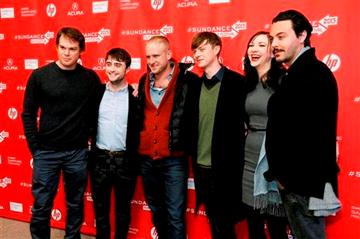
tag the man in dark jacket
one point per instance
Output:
(219, 135)
(64, 92)
(301, 131)
(164, 135)
(113, 155)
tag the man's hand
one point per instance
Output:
(136, 87)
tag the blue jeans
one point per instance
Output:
(165, 187)
(48, 165)
(302, 221)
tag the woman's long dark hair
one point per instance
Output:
(251, 75)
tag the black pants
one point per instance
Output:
(107, 172)
(277, 226)
(221, 224)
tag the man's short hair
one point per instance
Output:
(119, 54)
(73, 34)
(159, 39)
(299, 23)
(208, 37)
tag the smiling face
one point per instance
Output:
(68, 51)
(259, 51)
(158, 55)
(286, 45)
(115, 70)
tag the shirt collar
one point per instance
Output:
(301, 52)
(107, 87)
(209, 83)
(218, 76)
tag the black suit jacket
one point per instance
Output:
(301, 131)
(227, 152)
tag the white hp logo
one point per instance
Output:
(332, 61)
(51, 10)
(157, 4)
(153, 233)
(56, 214)
(12, 113)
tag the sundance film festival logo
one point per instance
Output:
(148, 33)
(97, 36)
(2, 36)
(9, 66)
(323, 24)
(157, 4)
(222, 31)
(36, 38)
(56, 214)
(3, 135)
(332, 61)
(2, 87)
(51, 10)
(75, 11)
(12, 113)
(5, 182)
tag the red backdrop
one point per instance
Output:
(27, 32)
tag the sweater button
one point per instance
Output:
(155, 141)
(155, 127)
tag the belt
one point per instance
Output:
(255, 130)
(112, 153)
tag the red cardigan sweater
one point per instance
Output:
(155, 135)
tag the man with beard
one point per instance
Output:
(301, 130)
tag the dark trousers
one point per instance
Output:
(46, 173)
(108, 172)
(277, 226)
(302, 221)
(165, 187)
(222, 225)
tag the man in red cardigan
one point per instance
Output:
(163, 97)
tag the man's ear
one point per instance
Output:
(169, 54)
(217, 50)
(302, 36)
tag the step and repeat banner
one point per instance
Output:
(27, 41)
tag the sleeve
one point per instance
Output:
(30, 112)
(95, 103)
